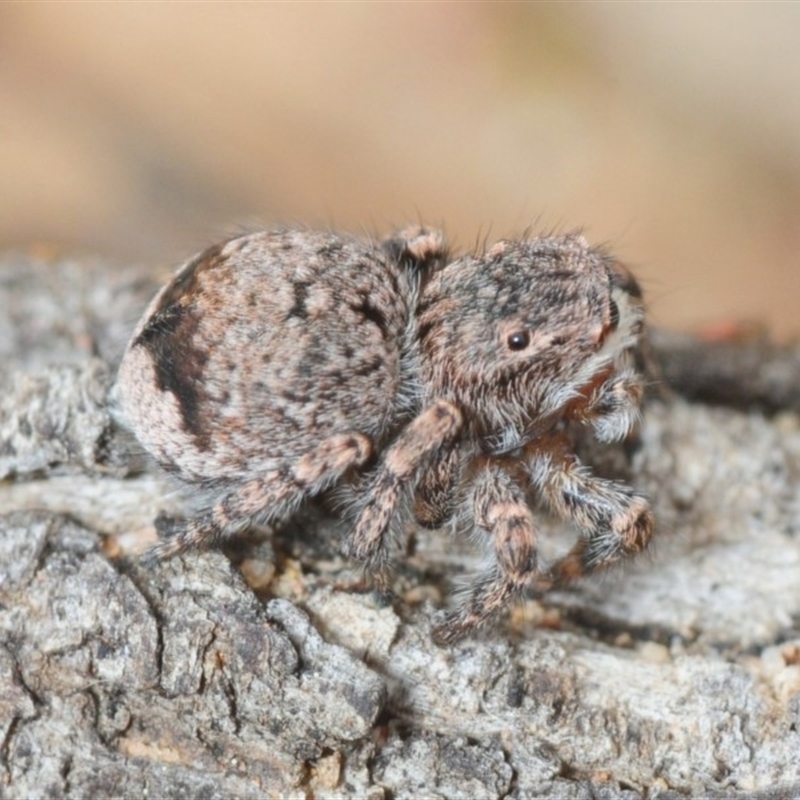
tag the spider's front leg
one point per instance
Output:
(500, 509)
(615, 521)
(426, 435)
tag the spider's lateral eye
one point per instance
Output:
(614, 315)
(518, 340)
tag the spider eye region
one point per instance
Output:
(518, 340)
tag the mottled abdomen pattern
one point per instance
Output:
(262, 346)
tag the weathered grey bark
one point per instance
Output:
(678, 675)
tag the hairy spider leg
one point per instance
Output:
(269, 497)
(434, 428)
(435, 498)
(500, 509)
(615, 522)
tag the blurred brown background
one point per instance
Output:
(670, 131)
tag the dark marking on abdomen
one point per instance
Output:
(300, 296)
(169, 336)
(367, 368)
(371, 313)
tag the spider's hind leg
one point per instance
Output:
(268, 497)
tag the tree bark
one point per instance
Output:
(267, 671)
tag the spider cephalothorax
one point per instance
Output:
(514, 335)
(279, 364)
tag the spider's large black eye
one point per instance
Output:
(614, 316)
(518, 340)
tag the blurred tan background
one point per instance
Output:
(145, 131)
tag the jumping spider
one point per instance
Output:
(276, 365)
